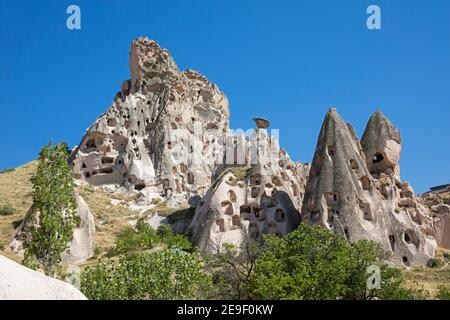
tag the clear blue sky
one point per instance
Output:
(288, 61)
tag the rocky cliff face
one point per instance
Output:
(158, 137)
(263, 195)
(355, 190)
(166, 138)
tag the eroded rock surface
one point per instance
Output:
(355, 190)
(20, 283)
(159, 134)
(262, 196)
(82, 244)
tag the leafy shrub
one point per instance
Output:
(138, 238)
(164, 274)
(435, 263)
(443, 292)
(233, 269)
(7, 210)
(166, 236)
(313, 263)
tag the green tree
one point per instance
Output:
(53, 215)
(158, 275)
(233, 269)
(312, 263)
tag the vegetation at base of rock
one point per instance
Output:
(143, 237)
(168, 274)
(312, 263)
(233, 269)
(435, 263)
(443, 292)
(53, 215)
(6, 210)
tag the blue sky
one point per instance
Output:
(288, 61)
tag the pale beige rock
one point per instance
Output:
(356, 191)
(442, 226)
(20, 283)
(259, 197)
(158, 134)
(82, 244)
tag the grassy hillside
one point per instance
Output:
(15, 193)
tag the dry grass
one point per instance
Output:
(430, 278)
(15, 190)
(109, 220)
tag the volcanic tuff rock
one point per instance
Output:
(82, 243)
(264, 195)
(19, 282)
(166, 137)
(160, 134)
(355, 190)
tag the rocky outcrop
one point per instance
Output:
(20, 283)
(442, 225)
(82, 244)
(263, 195)
(159, 135)
(355, 190)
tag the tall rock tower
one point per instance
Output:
(158, 137)
(356, 191)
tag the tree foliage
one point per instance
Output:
(233, 269)
(165, 274)
(314, 264)
(53, 213)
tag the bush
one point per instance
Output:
(138, 238)
(312, 263)
(143, 237)
(233, 269)
(7, 210)
(443, 292)
(166, 236)
(435, 263)
(165, 274)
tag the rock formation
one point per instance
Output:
(355, 190)
(20, 283)
(438, 201)
(264, 195)
(166, 138)
(82, 244)
(159, 135)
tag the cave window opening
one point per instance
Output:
(346, 233)
(279, 215)
(331, 150)
(405, 260)
(392, 241)
(245, 209)
(377, 157)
